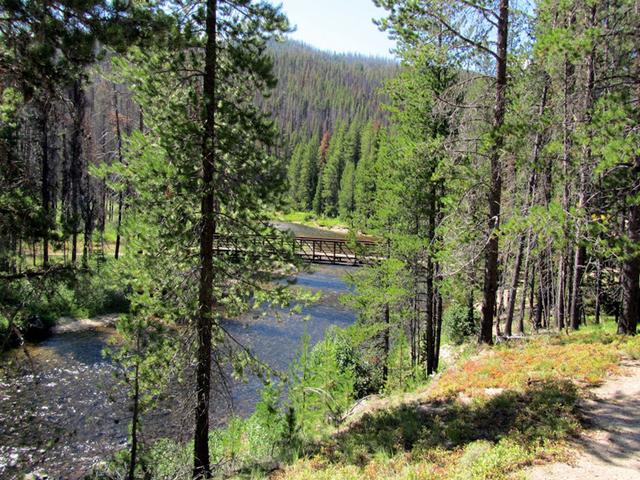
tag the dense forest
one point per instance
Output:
(494, 167)
(316, 90)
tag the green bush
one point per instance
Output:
(38, 303)
(460, 323)
(367, 373)
(322, 386)
(97, 293)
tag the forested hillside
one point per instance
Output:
(317, 89)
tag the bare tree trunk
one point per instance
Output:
(628, 322)
(76, 165)
(121, 160)
(537, 145)
(386, 344)
(136, 414)
(495, 191)
(525, 286)
(415, 319)
(562, 261)
(598, 305)
(438, 335)
(429, 338)
(201, 462)
(514, 287)
(576, 296)
(46, 192)
(88, 209)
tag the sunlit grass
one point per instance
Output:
(309, 219)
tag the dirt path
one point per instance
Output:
(610, 449)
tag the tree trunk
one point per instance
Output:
(537, 145)
(76, 164)
(386, 344)
(495, 191)
(628, 321)
(576, 297)
(136, 413)
(201, 462)
(429, 337)
(580, 251)
(438, 324)
(88, 209)
(514, 287)
(121, 160)
(525, 286)
(46, 192)
(598, 291)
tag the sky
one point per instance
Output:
(338, 25)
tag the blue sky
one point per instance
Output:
(338, 25)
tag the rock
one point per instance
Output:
(493, 392)
(35, 329)
(37, 475)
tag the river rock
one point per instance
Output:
(36, 329)
(37, 475)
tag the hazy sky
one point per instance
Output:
(337, 25)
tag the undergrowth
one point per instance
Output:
(34, 305)
(493, 413)
(488, 417)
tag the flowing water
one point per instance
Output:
(62, 410)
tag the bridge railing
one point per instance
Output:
(336, 251)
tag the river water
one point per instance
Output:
(62, 410)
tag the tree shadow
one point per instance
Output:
(544, 410)
(618, 427)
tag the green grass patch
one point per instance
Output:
(309, 219)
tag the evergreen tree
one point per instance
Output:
(346, 199)
(332, 171)
(309, 174)
(236, 179)
(458, 42)
(295, 175)
(365, 181)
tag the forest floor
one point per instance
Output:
(553, 406)
(610, 447)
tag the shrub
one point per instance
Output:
(460, 323)
(322, 386)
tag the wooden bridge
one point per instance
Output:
(332, 251)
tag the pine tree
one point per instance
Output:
(212, 169)
(295, 175)
(364, 182)
(332, 171)
(309, 174)
(346, 200)
(456, 41)
(323, 153)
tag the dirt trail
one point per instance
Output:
(610, 448)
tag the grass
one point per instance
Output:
(488, 417)
(309, 219)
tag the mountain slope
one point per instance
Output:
(317, 89)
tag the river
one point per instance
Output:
(62, 410)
